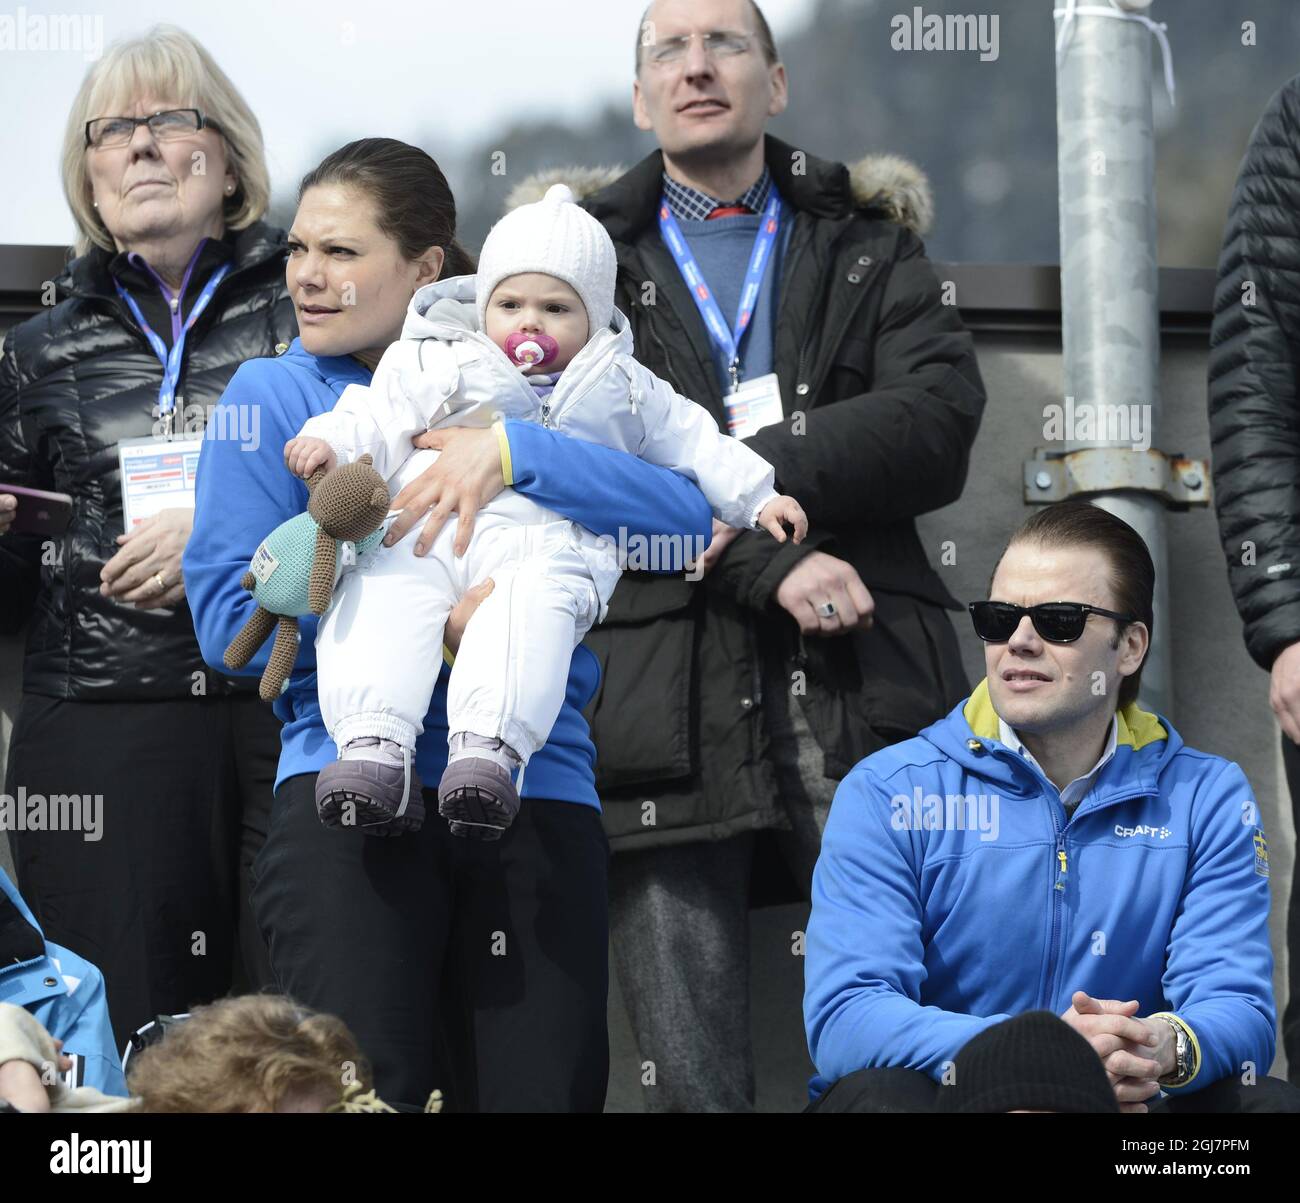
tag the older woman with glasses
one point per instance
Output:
(141, 779)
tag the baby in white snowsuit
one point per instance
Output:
(534, 336)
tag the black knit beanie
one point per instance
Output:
(1034, 1062)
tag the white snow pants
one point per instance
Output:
(379, 647)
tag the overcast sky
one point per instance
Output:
(321, 73)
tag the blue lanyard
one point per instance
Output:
(172, 360)
(725, 338)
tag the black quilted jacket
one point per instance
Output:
(1253, 388)
(74, 380)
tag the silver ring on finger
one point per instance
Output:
(826, 610)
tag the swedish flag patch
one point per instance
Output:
(1261, 853)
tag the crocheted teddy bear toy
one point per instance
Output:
(294, 571)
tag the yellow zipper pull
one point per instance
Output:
(1062, 869)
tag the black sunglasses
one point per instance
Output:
(1057, 622)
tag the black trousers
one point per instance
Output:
(1291, 1016)
(159, 901)
(478, 968)
(681, 911)
(882, 1091)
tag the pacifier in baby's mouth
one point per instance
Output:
(532, 350)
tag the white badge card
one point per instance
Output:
(755, 403)
(157, 474)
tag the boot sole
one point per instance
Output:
(472, 812)
(371, 817)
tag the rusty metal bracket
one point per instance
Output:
(1180, 482)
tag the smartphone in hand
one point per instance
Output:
(39, 512)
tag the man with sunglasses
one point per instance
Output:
(1048, 845)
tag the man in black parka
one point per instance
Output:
(1254, 400)
(737, 702)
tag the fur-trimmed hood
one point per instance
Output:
(888, 184)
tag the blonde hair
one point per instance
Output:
(245, 1054)
(169, 62)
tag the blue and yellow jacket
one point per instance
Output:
(952, 892)
(63, 991)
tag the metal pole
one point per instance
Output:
(1109, 307)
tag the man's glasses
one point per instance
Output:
(1057, 622)
(105, 132)
(716, 45)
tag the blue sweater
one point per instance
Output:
(244, 492)
(952, 892)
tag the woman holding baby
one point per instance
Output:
(474, 966)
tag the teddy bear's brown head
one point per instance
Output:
(351, 501)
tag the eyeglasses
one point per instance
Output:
(1057, 622)
(105, 132)
(716, 45)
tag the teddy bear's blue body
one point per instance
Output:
(282, 564)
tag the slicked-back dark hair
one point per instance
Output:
(762, 29)
(412, 199)
(1132, 572)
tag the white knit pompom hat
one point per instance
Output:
(555, 237)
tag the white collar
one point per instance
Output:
(1073, 793)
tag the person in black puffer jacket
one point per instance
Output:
(1255, 434)
(169, 768)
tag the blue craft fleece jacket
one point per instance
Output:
(952, 893)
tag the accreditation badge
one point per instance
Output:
(755, 403)
(157, 474)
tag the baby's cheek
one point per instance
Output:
(493, 328)
(575, 339)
